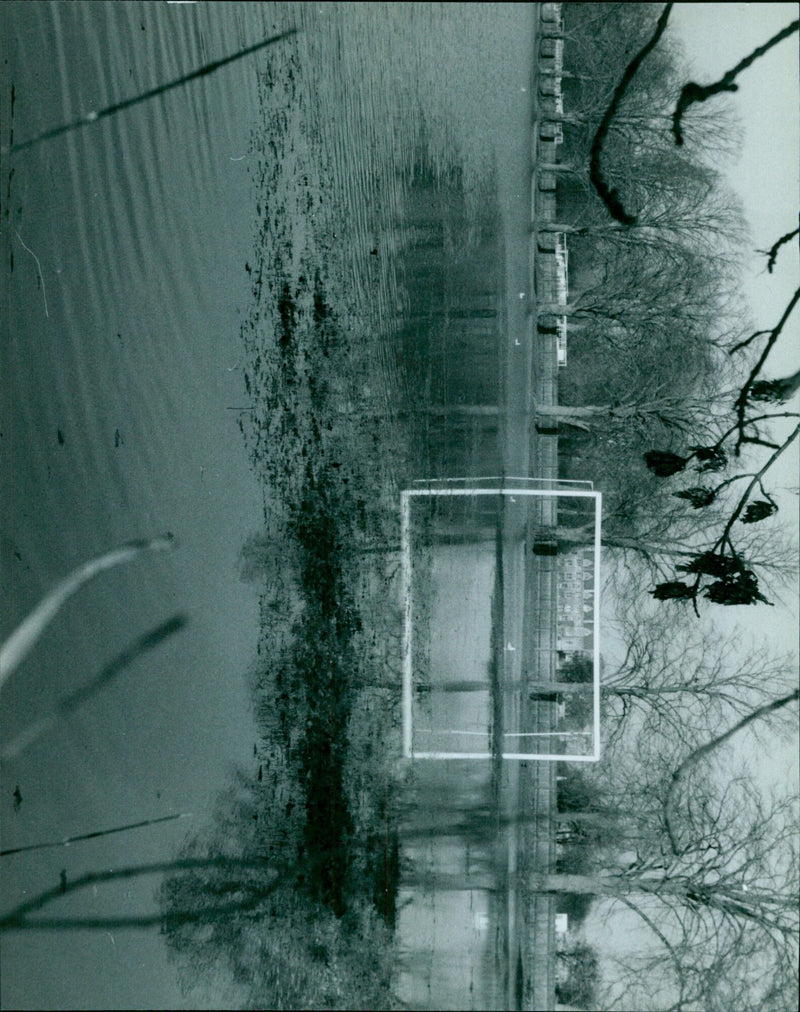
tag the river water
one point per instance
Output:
(139, 288)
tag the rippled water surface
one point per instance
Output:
(213, 303)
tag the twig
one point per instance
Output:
(110, 110)
(693, 92)
(39, 269)
(664, 941)
(741, 400)
(752, 421)
(609, 195)
(747, 340)
(699, 753)
(772, 252)
(758, 441)
(756, 480)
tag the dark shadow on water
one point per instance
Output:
(234, 898)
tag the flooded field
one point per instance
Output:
(265, 304)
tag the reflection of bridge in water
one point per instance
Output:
(472, 933)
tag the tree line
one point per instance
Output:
(665, 829)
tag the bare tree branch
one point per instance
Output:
(756, 480)
(741, 400)
(609, 195)
(679, 970)
(772, 252)
(92, 836)
(693, 92)
(22, 639)
(110, 110)
(679, 775)
(748, 340)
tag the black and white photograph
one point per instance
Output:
(399, 506)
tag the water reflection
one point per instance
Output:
(372, 299)
(373, 358)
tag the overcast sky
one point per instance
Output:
(715, 37)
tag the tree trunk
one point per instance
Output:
(733, 901)
(585, 885)
(665, 409)
(559, 686)
(644, 691)
(567, 117)
(471, 410)
(736, 902)
(583, 417)
(559, 308)
(575, 120)
(581, 411)
(580, 536)
(558, 226)
(609, 820)
(559, 167)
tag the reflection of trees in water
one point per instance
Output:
(448, 340)
(453, 832)
(318, 803)
(321, 806)
(270, 930)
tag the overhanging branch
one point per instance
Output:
(609, 195)
(772, 252)
(741, 400)
(680, 774)
(127, 103)
(694, 92)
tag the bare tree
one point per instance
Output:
(686, 683)
(649, 534)
(657, 409)
(721, 573)
(608, 194)
(725, 907)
